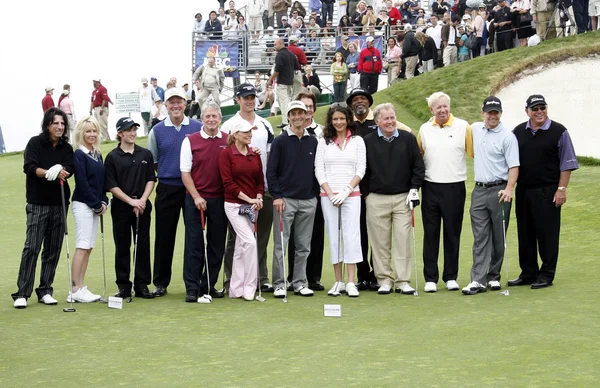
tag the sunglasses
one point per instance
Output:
(536, 108)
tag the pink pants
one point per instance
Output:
(245, 256)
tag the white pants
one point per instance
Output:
(428, 66)
(86, 225)
(102, 119)
(244, 266)
(354, 81)
(351, 249)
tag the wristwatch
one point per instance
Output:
(562, 188)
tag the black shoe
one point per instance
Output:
(290, 287)
(144, 293)
(191, 296)
(159, 291)
(123, 294)
(362, 285)
(373, 286)
(519, 282)
(217, 294)
(317, 286)
(541, 283)
(266, 288)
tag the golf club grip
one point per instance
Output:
(102, 225)
(202, 218)
(256, 223)
(281, 222)
(64, 205)
(412, 217)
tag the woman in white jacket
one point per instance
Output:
(340, 164)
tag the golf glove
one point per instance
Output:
(53, 172)
(339, 198)
(412, 199)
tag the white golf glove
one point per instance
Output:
(53, 172)
(412, 199)
(339, 198)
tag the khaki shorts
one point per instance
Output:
(594, 8)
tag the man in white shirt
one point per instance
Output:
(147, 97)
(435, 31)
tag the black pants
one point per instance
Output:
(124, 225)
(169, 202)
(538, 225)
(442, 201)
(369, 82)
(365, 271)
(477, 50)
(582, 18)
(314, 262)
(504, 40)
(194, 268)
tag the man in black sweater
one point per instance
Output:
(286, 65)
(394, 175)
(48, 160)
(547, 159)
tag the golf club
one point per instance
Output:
(412, 216)
(103, 298)
(505, 262)
(283, 257)
(206, 298)
(69, 309)
(132, 270)
(259, 297)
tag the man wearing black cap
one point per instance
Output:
(130, 178)
(262, 137)
(547, 159)
(496, 171)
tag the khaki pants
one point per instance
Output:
(541, 25)
(411, 65)
(450, 55)
(284, 97)
(103, 121)
(207, 90)
(389, 219)
(297, 83)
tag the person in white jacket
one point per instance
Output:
(340, 165)
(147, 97)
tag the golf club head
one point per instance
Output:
(129, 300)
(505, 293)
(285, 298)
(260, 298)
(336, 293)
(69, 310)
(416, 293)
(103, 300)
(205, 299)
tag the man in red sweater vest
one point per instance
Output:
(47, 101)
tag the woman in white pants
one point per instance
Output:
(340, 164)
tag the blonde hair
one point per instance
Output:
(436, 96)
(82, 126)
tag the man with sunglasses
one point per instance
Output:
(547, 158)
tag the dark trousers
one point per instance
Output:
(369, 82)
(442, 202)
(327, 11)
(169, 202)
(194, 268)
(365, 271)
(124, 227)
(339, 89)
(314, 262)
(504, 40)
(582, 18)
(45, 225)
(538, 225)
(477, 50)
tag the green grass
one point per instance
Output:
(532, 338)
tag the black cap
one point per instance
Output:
(491, 103)
(359, 92)
(125, 123)
(534, 100)
(245, 90)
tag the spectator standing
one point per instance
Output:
(435, 32)
(369, 66)
(211, 79)
(522, 17)
(280, 7)
(131, 184)
(503, 24)
(147, 96)
(47, 101)
(159, 91)
(286, 65)
(99, 107)
(47, 158)
(302, 61)
(428, 51)
(463, 50)
(256, 8)
(199, 25)
(327, 9)
(480, 26)
(66, 105)
(449, 41)
(164, 142)
(344, 48)
(542, 10)
(410, 51)
(339, 72)
(352, 63)
(342, 8)
(213, 28)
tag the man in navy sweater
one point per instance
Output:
(291, 179)
(164, 141)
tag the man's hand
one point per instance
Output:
(279, 205)
(53, 172)
(63, 174)
(505, 195)
(560, 197)
(412, 199)
(200, 203)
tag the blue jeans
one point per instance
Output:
(327, 12)
(339, 89)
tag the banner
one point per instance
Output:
(225, 52)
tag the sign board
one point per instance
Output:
(127, 102)
(115, 303)
(332, 310)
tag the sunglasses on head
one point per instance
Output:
(539, 107)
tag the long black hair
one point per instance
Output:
(329, 133)
(49, 118)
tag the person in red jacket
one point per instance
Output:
(47, 101)
(369, 66)
(393, 12)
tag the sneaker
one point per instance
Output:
(280, 292)
(266, 287)
(473, 288)
(385, 289)
(351, 290)
(405, 288)
(48, 300)
(337, 289)
(90, 294)
(430, 287)
(20, 303)
(451, 285)
(81, 296)
(204, 299)
(494, 285)
(249, 297)
(304, 291)
(362, 285)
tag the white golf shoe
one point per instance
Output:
(96, 297)
(81, 296)
(494, 285)
(473, 288)
(451, 285)
(405, 288)
(20, 303)
(337, 289)
(352, 291)
(430, 287)
(384, 289)
(279, 292)
(48, 300)
(205, 299)
(304, 291)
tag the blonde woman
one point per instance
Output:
(89, 203)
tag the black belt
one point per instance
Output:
(451, 44)
(489, 184)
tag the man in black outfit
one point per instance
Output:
(130, 178)
(286, 65)
(503, 24)
(547, 159)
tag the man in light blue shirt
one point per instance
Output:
(496, 172)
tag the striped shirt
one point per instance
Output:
(337, 166)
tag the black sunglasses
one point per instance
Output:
(536, 108)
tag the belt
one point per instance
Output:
(489, 184)
(451, 44)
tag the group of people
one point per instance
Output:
(358, 178)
